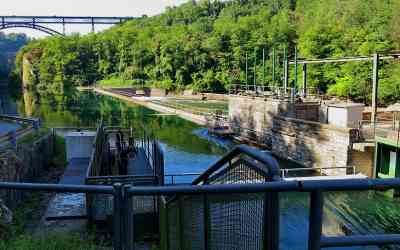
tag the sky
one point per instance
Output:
(135, 8)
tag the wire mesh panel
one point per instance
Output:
(236, 221)
(238, 172)
(193, 222)
(173, 225)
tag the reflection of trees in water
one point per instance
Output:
(86, 109)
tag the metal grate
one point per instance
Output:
(221, 221)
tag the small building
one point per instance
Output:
(345, 115)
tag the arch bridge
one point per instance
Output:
(46, 23)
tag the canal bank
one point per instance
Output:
(146, 102)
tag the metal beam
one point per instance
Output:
(344, 59)
(64, 19)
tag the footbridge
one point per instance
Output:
(46, 24)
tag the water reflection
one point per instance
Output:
(189, 149)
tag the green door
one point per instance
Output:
(388, 165)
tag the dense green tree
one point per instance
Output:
(203, 44)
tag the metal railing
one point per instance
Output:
(208, 112)
(99, 206)
(9, 140)
(201, 197)
(383, 128)
(272, 91)
(285, 172)
(122, 209)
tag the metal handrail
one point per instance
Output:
(272, 170)
(123, 194)
(285, 171)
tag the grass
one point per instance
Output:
(49, 242)
(29, 212)
(117, 82)
(32, 137)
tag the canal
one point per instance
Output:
(188, 148)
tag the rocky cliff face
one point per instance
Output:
(6, 218)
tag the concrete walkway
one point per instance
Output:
(64, 205)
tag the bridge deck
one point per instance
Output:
(139, 165)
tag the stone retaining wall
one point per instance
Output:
(25, 165)
(308, 143)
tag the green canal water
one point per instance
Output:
(188, 148)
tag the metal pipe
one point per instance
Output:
(360, 240)
(277, 186)
(59, 188)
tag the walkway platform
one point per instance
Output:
(139, 164)
(75, 173)
(67, 205)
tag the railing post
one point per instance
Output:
(206, 219)
(180, 222)
(271, 221)
(13, 139)
(128, 220)
(117, 199)
(315, 223)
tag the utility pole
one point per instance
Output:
(273, 66)
(255, 71)
(295, 70)
(375, 83)
(285, 70)
(247, 71)
(263, 82)
(305, 80)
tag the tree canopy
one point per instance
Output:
(9, 46)
(203, 44)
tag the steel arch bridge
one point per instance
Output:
(40, 22)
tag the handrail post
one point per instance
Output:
(128, 220)
(117, 216)
(206, 219)
(271, 221)
(315, 222)
(180, 222)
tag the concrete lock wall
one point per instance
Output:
(309, 143)
(79, 144)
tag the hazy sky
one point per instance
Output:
(82, 8)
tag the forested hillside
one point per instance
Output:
(9, 46)
(202, 45)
